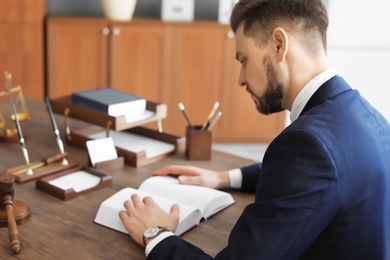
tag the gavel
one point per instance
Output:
(7, 183)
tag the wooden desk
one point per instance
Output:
(65, 230)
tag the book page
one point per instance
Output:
(208, 200)
(109, 209)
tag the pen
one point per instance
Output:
(181, 106)
(21, 141)
(209, 127)
(56, 131)
(205, 125)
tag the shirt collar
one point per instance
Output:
(307, 91)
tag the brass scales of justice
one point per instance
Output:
(11, 95)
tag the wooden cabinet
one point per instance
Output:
(86, 53)
(77, 53)
(21, 44)
(195, 74)
(193, 63)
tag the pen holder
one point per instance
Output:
(198, 143)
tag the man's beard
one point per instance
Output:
(271, 101)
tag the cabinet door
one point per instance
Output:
(241, 122)
(21, 54)
(21, 44)
(195, 74)
(137, 56)
(77, 55)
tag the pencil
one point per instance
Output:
(208, 120)
(181, 106)
(212, 124)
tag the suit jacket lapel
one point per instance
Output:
(330, 88)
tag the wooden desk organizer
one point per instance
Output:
(103, 122)
(44, 185)
(40, 169)
(64, 106)
(80, 137)
(198, 143)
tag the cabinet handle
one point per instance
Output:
(230, 34)
(105, 31)
(116, 31)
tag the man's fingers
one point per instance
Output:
(191, 180)
(148, 201)
(175, 209)
(129, 206)
(135, 198)
(176, 170)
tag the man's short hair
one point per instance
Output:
(306, 19)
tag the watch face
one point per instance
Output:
(151, 232)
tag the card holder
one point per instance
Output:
(109, 165)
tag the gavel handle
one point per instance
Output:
(12, 227)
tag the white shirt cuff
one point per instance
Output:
(157, 240)
(235, 176)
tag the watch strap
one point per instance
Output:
(160, 230)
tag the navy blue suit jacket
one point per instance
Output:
(322, 191)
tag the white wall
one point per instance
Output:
(359, 47)
(359, 23)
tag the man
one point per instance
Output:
(323, 189)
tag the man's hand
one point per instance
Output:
(196, 176)
(143, 214)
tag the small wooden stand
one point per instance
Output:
(40, 169)
(44, 185)
(109, 165)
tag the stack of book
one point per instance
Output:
(114, 103)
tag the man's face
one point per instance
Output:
(258, 74)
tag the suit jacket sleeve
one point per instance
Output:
(250, 177)
(297, 196)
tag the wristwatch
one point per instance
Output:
(153, 232)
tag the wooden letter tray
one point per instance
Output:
(44, 185)
(60, 105)
(81, 136)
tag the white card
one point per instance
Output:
(101, 150)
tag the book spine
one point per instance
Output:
(81, 101)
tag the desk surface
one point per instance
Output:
(65, 230)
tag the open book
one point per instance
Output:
(196, 202)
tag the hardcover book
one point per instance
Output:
(196, 203)
(111, 101)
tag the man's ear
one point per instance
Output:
(280, 39)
